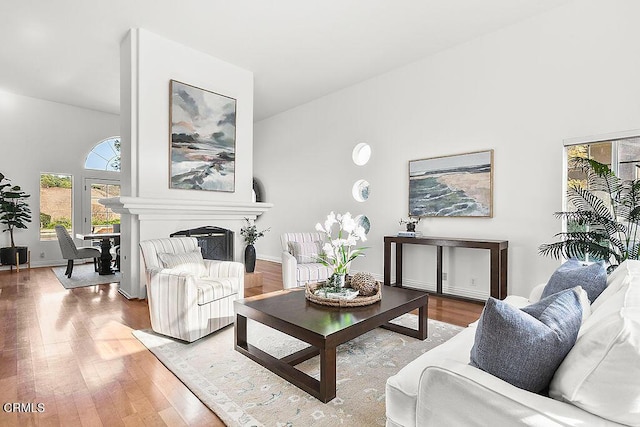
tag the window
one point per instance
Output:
(105, 155)
(621, 152)
(56, 204)
(621, 155)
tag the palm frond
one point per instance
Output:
(605, 217)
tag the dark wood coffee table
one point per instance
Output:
(324, 328)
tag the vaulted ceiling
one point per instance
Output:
(68, 50)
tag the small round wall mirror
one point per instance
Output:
(361, 154)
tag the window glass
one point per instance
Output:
(103, 218)
(56, 204)
(629, 158)
(621, 155)
(600, 152)
(105, 155)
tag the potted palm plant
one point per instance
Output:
(14, 214)
(605, 217)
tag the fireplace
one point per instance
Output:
(216, 242)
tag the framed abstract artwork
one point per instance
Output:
(459, 185)
(203, 139)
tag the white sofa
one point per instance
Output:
(192, 297)
(597, 384)
(294, 273)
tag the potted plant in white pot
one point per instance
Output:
(14, 213)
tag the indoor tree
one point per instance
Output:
(14, 210)
(603, 220)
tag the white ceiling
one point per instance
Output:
(68, 50)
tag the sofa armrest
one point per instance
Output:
(448, 386)
(173, 302)
(230, 269)
(289, 266)
(536, 293)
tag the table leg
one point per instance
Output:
(387, 262)
(439, 269)
(327, 374)
(423, 321)
(105, 257)
(398, 264)
(241, 331)
(495, 274)
(503, 273)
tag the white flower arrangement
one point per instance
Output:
(338, 252)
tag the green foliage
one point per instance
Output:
(65, 222)
(14, 210)
(45, 220)
(115, 163)
(50, 181)
(251, 233)
(604, 222)
(105, 221)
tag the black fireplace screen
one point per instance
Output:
(216, 242)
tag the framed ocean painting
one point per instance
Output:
(203, 139)
(459, 185)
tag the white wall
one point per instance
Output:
(520, 91)
(43, 136)
(148, 63)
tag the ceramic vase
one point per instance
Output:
(249, 258)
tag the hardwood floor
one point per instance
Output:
(72, 352)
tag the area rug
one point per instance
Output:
(84, 275)
(243, 393)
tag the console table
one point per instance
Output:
(498, 248)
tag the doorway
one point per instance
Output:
(97, 218)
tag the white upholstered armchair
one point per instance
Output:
(299, 253)
(189, 297)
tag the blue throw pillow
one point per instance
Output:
(592, 278)
(524, 347)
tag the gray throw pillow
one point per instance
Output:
(524, 347)
(592, 278)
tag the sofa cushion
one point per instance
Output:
(591, 277)
(188, 262)
(210, 290)
(524, 347)
(600, 374)
(305, 252)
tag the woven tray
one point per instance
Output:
(358, 301)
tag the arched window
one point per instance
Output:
(105, 156)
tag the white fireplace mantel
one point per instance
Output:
(167, 209)
(144, 217)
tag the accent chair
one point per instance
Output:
(71, 252)
(299, 259)
(189, 297)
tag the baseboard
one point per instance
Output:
(39, 264)
(269, 258)
(124, 294)
(431, 287)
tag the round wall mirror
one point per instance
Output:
(361, 154)
(360, 190)
(363, 221)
